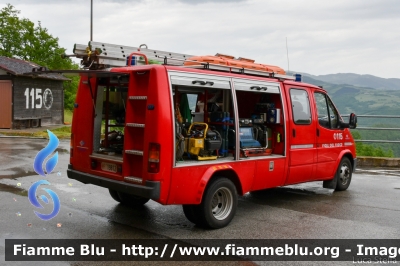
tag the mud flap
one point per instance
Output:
(330, 183)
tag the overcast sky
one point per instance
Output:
(323, 37)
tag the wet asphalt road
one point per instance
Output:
(368, 209)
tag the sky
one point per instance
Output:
(316, 37)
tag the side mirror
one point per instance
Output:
(353, 121)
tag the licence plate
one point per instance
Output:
(109, 167)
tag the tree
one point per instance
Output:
(20, 38)
(369, 150)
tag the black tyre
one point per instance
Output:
(343, 174)
(192, 213)
(114, 195)
(219, 204)
(132, 200)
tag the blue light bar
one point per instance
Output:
(298, 77)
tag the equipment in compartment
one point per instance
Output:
(245, 122)
(254, 140)
(221, 121)
(274, 116)
(115, 143)
(268, 112)
(179, 141)
(202, 141)
(247, 139)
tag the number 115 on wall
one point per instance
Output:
(37, 99)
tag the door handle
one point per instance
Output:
(199, 82)
(203, 82)
(317, 132)
(294, 133)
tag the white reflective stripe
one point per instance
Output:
(348, 144)
(302, 146)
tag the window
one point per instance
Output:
(327, 115)
(192, 100)
(300, 107)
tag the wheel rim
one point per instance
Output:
(344, 176)
(222, 203)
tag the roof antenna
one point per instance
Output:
(287, 54)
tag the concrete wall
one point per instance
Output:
(363, 161)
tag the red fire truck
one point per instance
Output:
(200, 130)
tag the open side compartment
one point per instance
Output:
(260, 111)
(204, 113)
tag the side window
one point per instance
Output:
(300, 107)
(327, 114)
(192, 101)
(333, 115)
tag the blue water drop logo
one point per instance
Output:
(44, 153)
(33, 199)
(49, 166)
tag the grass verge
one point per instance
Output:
(62, 132)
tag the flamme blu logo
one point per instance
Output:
(49, 166)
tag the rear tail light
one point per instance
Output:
(154, 158)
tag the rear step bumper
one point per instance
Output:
(151, 190)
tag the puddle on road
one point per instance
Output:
(12, 174)
(16, 172)
(308, 189)
(13, 189)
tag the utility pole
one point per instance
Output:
(91, 20)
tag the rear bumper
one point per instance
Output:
(151, 190)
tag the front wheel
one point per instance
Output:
(343, 174)
(219, 203)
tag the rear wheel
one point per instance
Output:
(219, 204)
(132, 200)
(343, 174)
(114, 195)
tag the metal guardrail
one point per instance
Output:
(377, 128)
